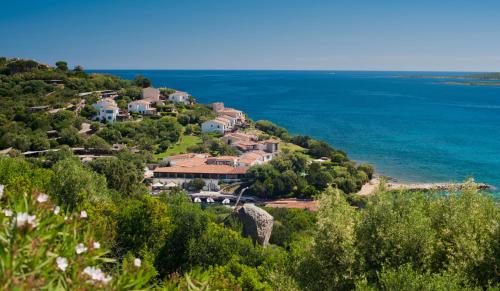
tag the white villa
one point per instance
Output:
(179, 97)
(107, 110)
(220, 110)
(220, 125)
(151, 93)
(141, 106)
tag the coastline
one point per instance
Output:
(374, 184)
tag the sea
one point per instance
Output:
(411, 129)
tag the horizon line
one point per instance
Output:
(298, 70)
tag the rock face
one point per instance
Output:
(257, 223)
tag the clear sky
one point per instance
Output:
(424, 35)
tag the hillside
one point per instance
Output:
(79, 208)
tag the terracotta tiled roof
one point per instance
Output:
(143, 101)
(179, 93)
(223, 158)
(192, 162)
(203, 169)
(186, 156)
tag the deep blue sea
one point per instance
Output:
(412, 129)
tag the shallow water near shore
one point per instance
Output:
(412, 129)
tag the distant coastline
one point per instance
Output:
(468, 83)
(481, 79)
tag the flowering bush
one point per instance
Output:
(41, 245)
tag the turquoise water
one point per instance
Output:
(412, 129)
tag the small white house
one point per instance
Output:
(151, 94)
(215, 125)
(179, 97)
(141, 106)
(107, 110)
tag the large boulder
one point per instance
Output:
(257, 223)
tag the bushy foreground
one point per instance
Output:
(62, 228)
(403, 241)
(43, 245)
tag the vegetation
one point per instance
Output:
(403, 240)
(181, 147)
(484, 76)
(296, 174)
(72, 225)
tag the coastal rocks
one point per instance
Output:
(257, 223)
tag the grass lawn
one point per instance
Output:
(181, 146)
(291, 147)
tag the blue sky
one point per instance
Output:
(256, 34)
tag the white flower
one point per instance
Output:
(62, 263)
(42, 198)
(96, 245)
(1, 190)
(7, 212)
(57, 209)
(83, 214)
(137, 262)
(65, 218)
(96, 274)
(80, 248)
(23, 218)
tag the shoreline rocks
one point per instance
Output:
(373, 185)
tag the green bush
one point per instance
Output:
(43, 245)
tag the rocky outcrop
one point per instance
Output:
(257, 223)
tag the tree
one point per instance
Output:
(39, 141)
(142, 82)
(122, 175)
(78, 69)
(62, 65)
(97, 143)
(396, 230)
(19, 141)
(95, 126)
(368, 169)
(88, 111)
(318, 177)
(196, 184)
(218, 245)
(190, 223)
(70, 136)
(143, 225)
(21, 66)
(329, 262)
(63, 119)
(73, 185)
